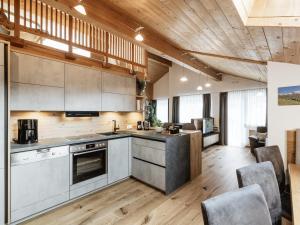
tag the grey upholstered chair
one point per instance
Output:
(272, 154)
(263, 174)
(245, 206)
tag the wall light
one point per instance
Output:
(183, 79)
(80, 8)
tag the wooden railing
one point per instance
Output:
(38, 18)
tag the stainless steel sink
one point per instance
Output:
(114, 133)
(109, 133)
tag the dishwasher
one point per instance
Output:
(39, 181)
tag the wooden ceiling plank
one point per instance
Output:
(220, 16)
(193, 21)
(122, 24)
(260, 42)
(197, 7)
(233, 18)
(275, 42)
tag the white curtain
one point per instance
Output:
(246, 110)
(162, 110)
(190, 107)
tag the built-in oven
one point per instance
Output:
(88, 161)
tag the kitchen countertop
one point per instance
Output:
(55, 142)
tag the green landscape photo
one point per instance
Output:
(289, 95)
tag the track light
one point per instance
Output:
(80, 8)
(138, 36)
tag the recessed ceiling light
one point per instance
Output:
(208, 85)
(199, 88)
(80, 8)
(183, 79)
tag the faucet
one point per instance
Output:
(115, 127)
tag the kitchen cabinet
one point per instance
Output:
(118, 102)
(162, 164)
(37, 84)
(28, 69)
(28, 97)
(118, 93)
(118, 163)
(149, 173)
(39, 181)
(82, 89)
(119, 84)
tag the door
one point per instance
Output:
(82, 89)
(118, 163)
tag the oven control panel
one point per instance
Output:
(88, 146)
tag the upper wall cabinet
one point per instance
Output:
(112, 83)
(37, 84)
(35, 70)
(118, 93)
(82, 89)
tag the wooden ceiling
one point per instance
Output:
(209, 26)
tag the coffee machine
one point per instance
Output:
(27, 131)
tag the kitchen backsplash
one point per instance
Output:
(55, 124)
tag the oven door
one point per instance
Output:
(88, 164)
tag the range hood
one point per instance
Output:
(81, 114)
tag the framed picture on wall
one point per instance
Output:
(289, 95)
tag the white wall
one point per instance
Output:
(170, 85)
(281, 118)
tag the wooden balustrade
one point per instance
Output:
(41, 19)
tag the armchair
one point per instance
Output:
(258, 140)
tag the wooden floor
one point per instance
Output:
(132, 202)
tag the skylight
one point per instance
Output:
(269, 13)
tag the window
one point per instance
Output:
(190, 107)
(246, 110)
(162, 110)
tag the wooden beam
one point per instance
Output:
(159, 60)
(124, 26)
(227, 57)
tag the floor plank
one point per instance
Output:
(132, 202)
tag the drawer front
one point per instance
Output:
(149, 173)
(153, 155)
(149, 143)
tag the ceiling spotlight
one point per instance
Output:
(183, 79)
(138, 36)
(80, 8)
(208, 85)
(199, 88)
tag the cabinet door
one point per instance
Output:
(35, 70)
(112, 83)
(118, 164)
(82, 89)
(131, 86)
(112, 102)
(129, 103)
(36, 97)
